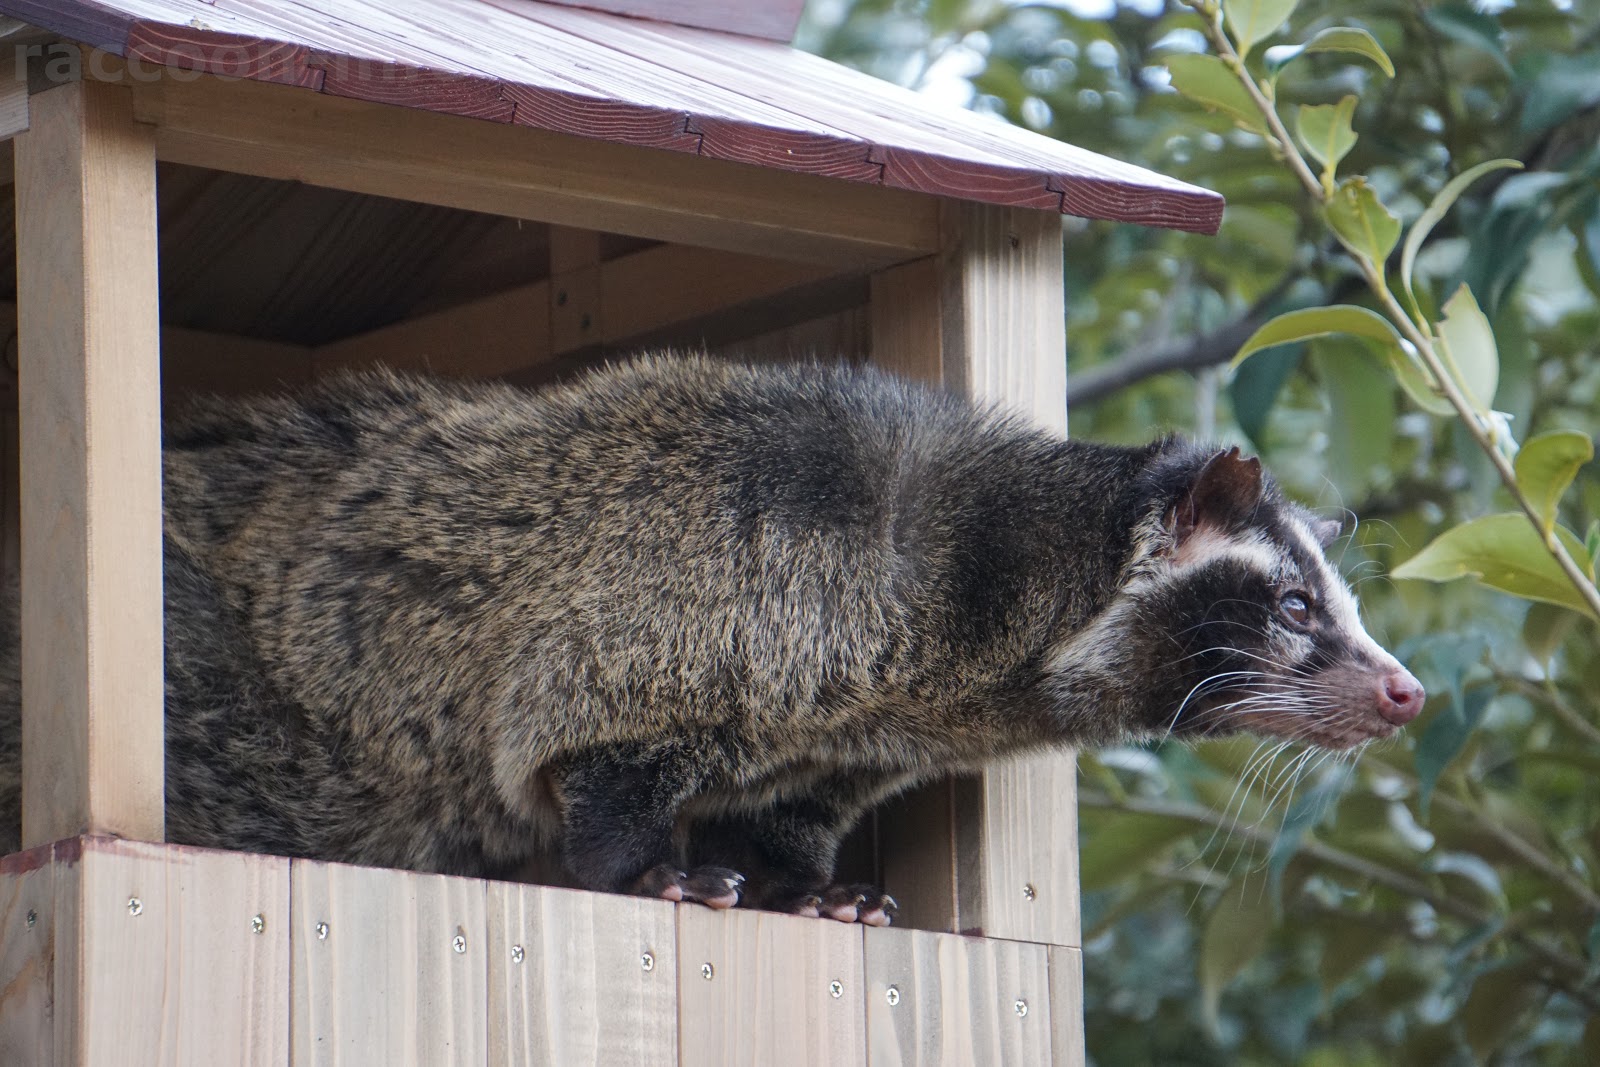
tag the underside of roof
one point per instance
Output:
(630, 81)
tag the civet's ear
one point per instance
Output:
(1224, 494)
(1326, 531)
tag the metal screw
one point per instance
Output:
(647, 961)
(707, 971)
(322, 931)
(135, 906)
(33, 917)
(1029, 893)
(586, 322)
(258, 924)
(892, 995)
(459, 943)
(518, 954)
(561, 298)
(1021, 1008)
(836, 989)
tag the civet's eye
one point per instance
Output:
(1295, 607)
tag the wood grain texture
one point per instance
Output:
(769, 999)
(957, 1000)
(13, 95)
(28, 956)
(1066, 1006)
(278, 132)
(230, 55)
(181, 977)
(996, 854)
(91, 444)
(1003, 325)
(481, 338)
(842, 335)
(773, 19)
(383, 982)
(580, 977)
(906, 319)
(610, 303)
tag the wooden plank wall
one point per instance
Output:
(125, 954)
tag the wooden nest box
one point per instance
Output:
(230, 195)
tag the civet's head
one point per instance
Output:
(1256, 629)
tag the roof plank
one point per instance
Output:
(553, 65)
(775, 20)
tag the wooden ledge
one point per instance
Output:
(128, 952)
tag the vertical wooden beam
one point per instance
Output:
(996, 854)
(91, 453)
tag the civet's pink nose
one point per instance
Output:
(1401, 697)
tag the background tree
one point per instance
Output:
(1434, 901)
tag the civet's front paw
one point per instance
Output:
(715, 887)
(848, 904)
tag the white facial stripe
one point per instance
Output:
(1207, 545)
(1340, 603)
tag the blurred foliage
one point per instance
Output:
(1433, 901)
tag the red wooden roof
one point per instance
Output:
(632, 81)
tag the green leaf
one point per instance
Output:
(1591, 543)
(1460, 22)
(1318, 322)
(1564, 85)
(1251, 21)
(1324, 130)
(1361, 411)
(1255, 388)
(1544, 629)
(1503, 552)
(1351, 39)
(1419, 384)
(1466, 342)
(1207, 80)
(1442, 202)
(1443, 739)
(1348, 941)
(1235, 934)
(1547, 464)
(1124, 844)
(1333, 39)
(1361, 222)
(1495, 1007)
(1358, 322)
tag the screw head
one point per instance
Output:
(258, 924)
(135, 906)
(647, 962)
(459, 943)
(1021, 1008)
(892, 995)
(707, 971)
(33, 917)
(518, 954)
(322, 931)
(1029, 893)
(836, 989)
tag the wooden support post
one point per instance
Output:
(91, 453)
(996, 854)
